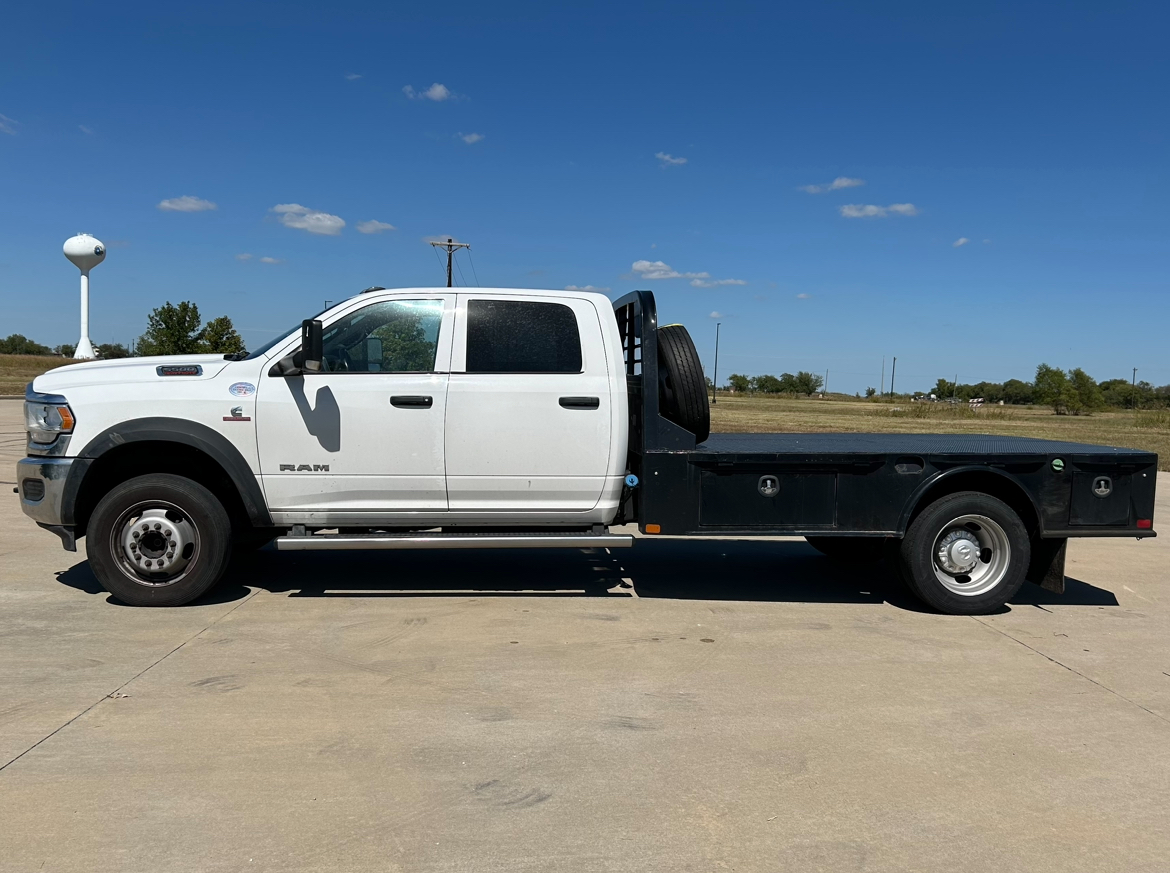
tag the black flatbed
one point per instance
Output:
(857, 484)
(814, 444)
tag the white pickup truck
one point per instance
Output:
(490, 418)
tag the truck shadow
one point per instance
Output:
(743, 570)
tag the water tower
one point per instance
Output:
(86, 253)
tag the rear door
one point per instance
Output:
(528, 405)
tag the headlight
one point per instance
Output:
(46, 417)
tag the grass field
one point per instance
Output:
(16, 371)
(1149, 430)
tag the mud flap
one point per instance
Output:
(1047, 567)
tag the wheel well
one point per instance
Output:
(141, 458)
(985, 482)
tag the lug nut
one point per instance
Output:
(134, 547)
(166, 533)
(157, 526)
(137, 534)
(146, 527)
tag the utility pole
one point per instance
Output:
(883, 391)
(1133, 391)
(450, 246)
(826, 383)
(955, 388)
(715, 371)
(893, 371)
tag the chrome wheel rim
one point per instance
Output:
(971, 555)
(155, 543)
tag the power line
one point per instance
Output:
(462, 278)
(472, 260)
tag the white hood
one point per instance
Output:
(122, 370)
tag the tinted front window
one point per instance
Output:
(515, 336)
(396, 336)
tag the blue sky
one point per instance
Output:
(621, 146)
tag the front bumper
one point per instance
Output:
(41, 483)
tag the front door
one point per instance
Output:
(366, 433)
(528, 410)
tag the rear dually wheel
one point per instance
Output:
(966, 554)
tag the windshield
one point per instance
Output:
(279, 338)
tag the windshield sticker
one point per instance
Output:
(242, 389)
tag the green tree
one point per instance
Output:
(172, 330)
(1052, 388)
(109, 351)
(788, 384)
(767, 384)
(1086, 396)
(65, 350)
(405, 346)
(943, 389)
(808, 383)
(1015, 391)
(18, 344)
(220, 336)
(870, 392)
(739, 383)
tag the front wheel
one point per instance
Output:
(159, 540)
(966, 554)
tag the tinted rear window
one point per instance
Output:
(516, 336)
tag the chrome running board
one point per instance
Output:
(550, 540)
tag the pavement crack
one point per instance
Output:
(1070, 669)
(140, 673)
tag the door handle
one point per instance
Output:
(412, 401)
(581, 402)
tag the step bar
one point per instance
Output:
(342, 542)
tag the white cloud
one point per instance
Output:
(659, 270)
(303, 218)
(700, 283)
(436, 92)
(987, 240)
(8, 125)
(244, 257)
(373, 226)
(863, 210)
(470, 138)
(88, 131)
(267, 260)
(186, 203)
(836, 185)
(960, 242)
(352, 76)
(586, 288)
(803, 296)
(716, 315)
(670, 160)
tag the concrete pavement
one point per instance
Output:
(743, 706)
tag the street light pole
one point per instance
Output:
(715, 371)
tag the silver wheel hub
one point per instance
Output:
(958, 552)
(972, 554)
(157, 544)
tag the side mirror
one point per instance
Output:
(308, 358)
(311, 345)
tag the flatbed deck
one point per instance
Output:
(804, 445)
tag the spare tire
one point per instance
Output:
(682, 390)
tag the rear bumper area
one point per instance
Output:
(41, 483)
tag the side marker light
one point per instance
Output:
(657, 528)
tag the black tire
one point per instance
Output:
(997, 542)
(849, 550)
(682, 390)
(174, 510)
